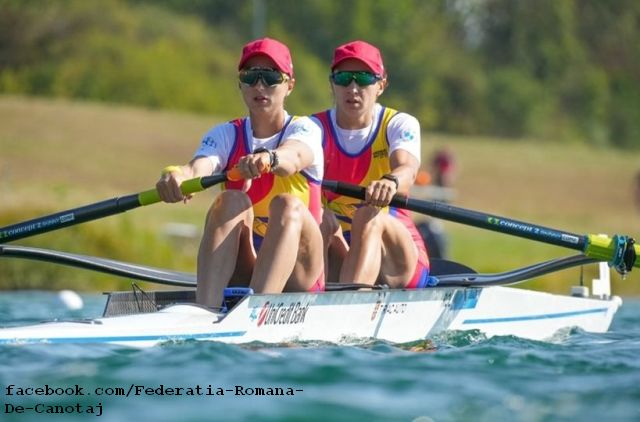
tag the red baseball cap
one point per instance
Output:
(360, 50)
(271, 48)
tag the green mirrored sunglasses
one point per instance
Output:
(362, 78)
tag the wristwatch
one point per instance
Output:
(275, 162)
(273, 157)
(393, 178)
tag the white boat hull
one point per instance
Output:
(397, 316)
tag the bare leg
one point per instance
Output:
(291, 252)
(362, 263)
(226, 249)
(399, 254)
(381, 249)
(335, 246)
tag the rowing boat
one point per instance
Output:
(458, 299)
(458, 302)
(397, 316)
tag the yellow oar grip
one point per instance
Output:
(187, 187)
(191, 186)
(148, 197)
(171, 169)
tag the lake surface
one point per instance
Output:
(577, 376)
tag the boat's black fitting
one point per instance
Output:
(628, 256)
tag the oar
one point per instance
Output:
(105, 208)
(439, 267)
(123, 269)
(449, 274)
(103, 265)
(619, 251)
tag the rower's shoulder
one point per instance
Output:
(303, 126)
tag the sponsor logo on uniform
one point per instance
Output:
(381, 153)
(209, 142)
(300, 129)
(408, 135)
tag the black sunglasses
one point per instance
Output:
(362, 78)
(269, 77)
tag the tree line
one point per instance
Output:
(565, 70)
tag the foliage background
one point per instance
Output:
(564, 70)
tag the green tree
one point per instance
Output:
(566, 70)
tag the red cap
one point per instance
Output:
(362, 51)
(271, 48)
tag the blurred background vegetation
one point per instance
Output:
(538, 99)
(567, 70)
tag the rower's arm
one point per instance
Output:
(199, 167)
(292, 157)
(405, 167)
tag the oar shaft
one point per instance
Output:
(68, 218)
(100, 209)
(493, 222)
(614, 250)
(469, 217)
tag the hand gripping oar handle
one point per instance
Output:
(620, 251)
(105, 208)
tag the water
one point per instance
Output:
(577, 376)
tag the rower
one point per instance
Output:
(263, 230)
(378, 148)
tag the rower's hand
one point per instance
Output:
(252, 166)
(168, 187)
(379, 193)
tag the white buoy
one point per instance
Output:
(71, 299)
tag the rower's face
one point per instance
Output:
(260, 96)
(354, 98)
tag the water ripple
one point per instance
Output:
(456, 376)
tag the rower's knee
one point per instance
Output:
(286, 210)
(367, 219)
(329, 225)
(228, 205)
